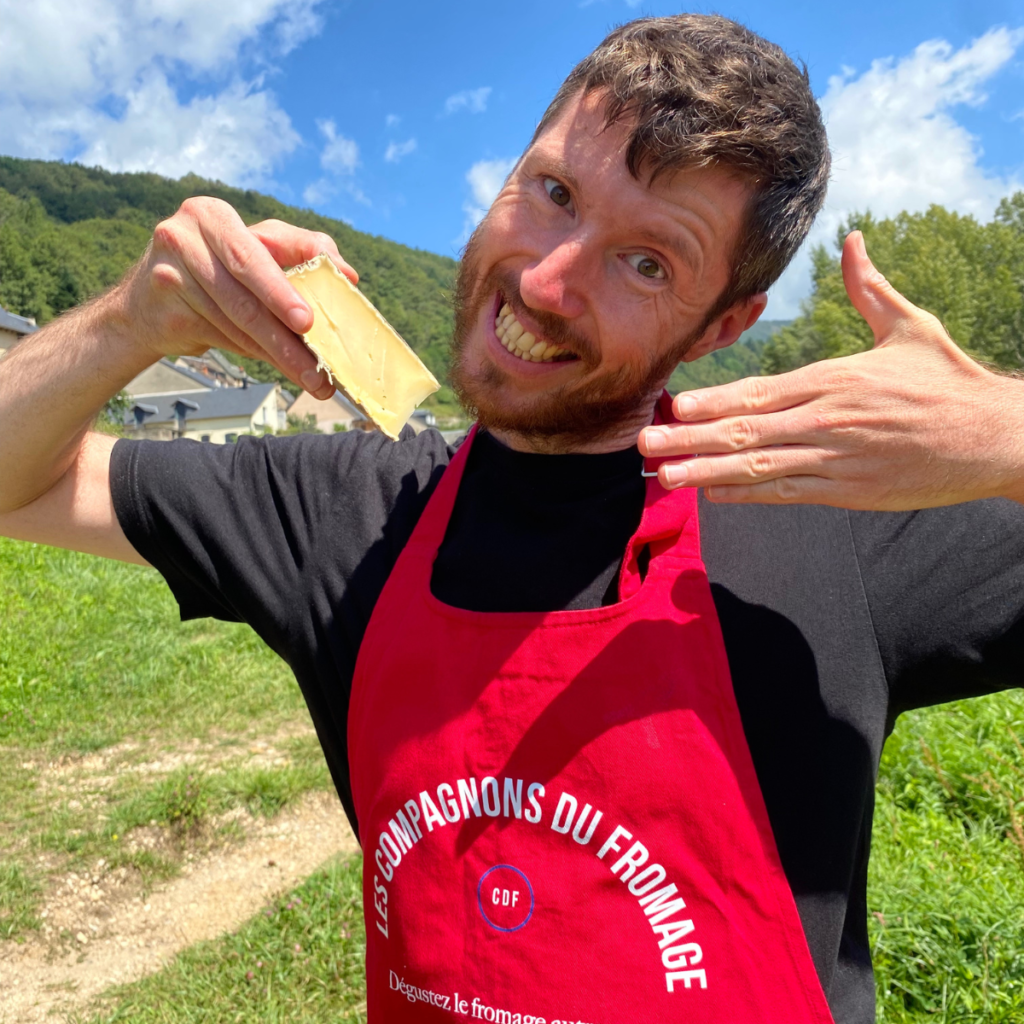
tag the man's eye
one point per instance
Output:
(645, 265)
(557, 191)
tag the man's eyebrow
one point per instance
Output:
(676, 244)
(556, 168)
(666, 240)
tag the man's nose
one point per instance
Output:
(555, 282)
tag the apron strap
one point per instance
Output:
(669, 521)
(433, 521)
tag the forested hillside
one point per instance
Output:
(970, 275)
(740, 360)
(67, 232)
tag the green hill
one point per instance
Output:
(67, 232)
(740, 360)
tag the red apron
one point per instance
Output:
(559, 812)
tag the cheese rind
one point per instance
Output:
(362, 353)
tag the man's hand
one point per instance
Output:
(206, 280)
(209, 281)
(912, 423)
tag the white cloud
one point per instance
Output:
(472, 100)
(238, 135)
(896, 146)
(93, 80)
(485, 179)
(323, 189)
(339, 158)
(391, 120)
(397, 150)
(319, 191)
(340, 155)
(300, 20)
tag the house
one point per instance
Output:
(205, 398)
(338, 413)
(188, 373)
(165, 377)
(216, 367)
(12, 329)
(421, 419)
(218, 415)
(208, 399)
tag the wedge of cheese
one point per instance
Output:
(363, 355)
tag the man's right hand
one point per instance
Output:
(205, 281)
(208, 281)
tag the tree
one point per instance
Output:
(67, 232)
(970, 275)
(301, 425)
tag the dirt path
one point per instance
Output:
(118, 936)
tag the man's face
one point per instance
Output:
(612, 278)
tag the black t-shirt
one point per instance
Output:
(834, 621)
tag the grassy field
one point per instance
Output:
(91, 652)
(93, 660)
(947, 866)
(299, 962)
(97, 679)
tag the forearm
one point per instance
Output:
(53, 385)
(1011, 417)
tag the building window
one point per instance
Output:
(231, 438)
(205, 437)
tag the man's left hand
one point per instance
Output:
(912, 423)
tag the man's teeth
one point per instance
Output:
(522, 343)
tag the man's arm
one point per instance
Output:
(206, 281)
(913, 423)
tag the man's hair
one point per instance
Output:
(701, 90)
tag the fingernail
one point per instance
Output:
(298, 319)
(676, 475)
(655, 440)
(312, 381)
(685, 405)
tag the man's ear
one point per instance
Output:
(721, 333)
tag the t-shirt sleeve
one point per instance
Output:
(294, 535)
(945, 588)
(239, 530)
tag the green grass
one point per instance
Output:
(300, 961)
(20, 894)
(92, 652)
(186, 799)
(184, 803)
(947, 896)
(947, 866)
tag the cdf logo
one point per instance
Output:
(505, 898)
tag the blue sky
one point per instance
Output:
(401, 117)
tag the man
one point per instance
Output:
(510, 651)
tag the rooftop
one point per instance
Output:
(18, 324)
(216, 403)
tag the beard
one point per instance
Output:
(579, 411)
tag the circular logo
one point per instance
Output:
(505, 898)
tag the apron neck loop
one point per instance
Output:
(434, 522)
(669, 521)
